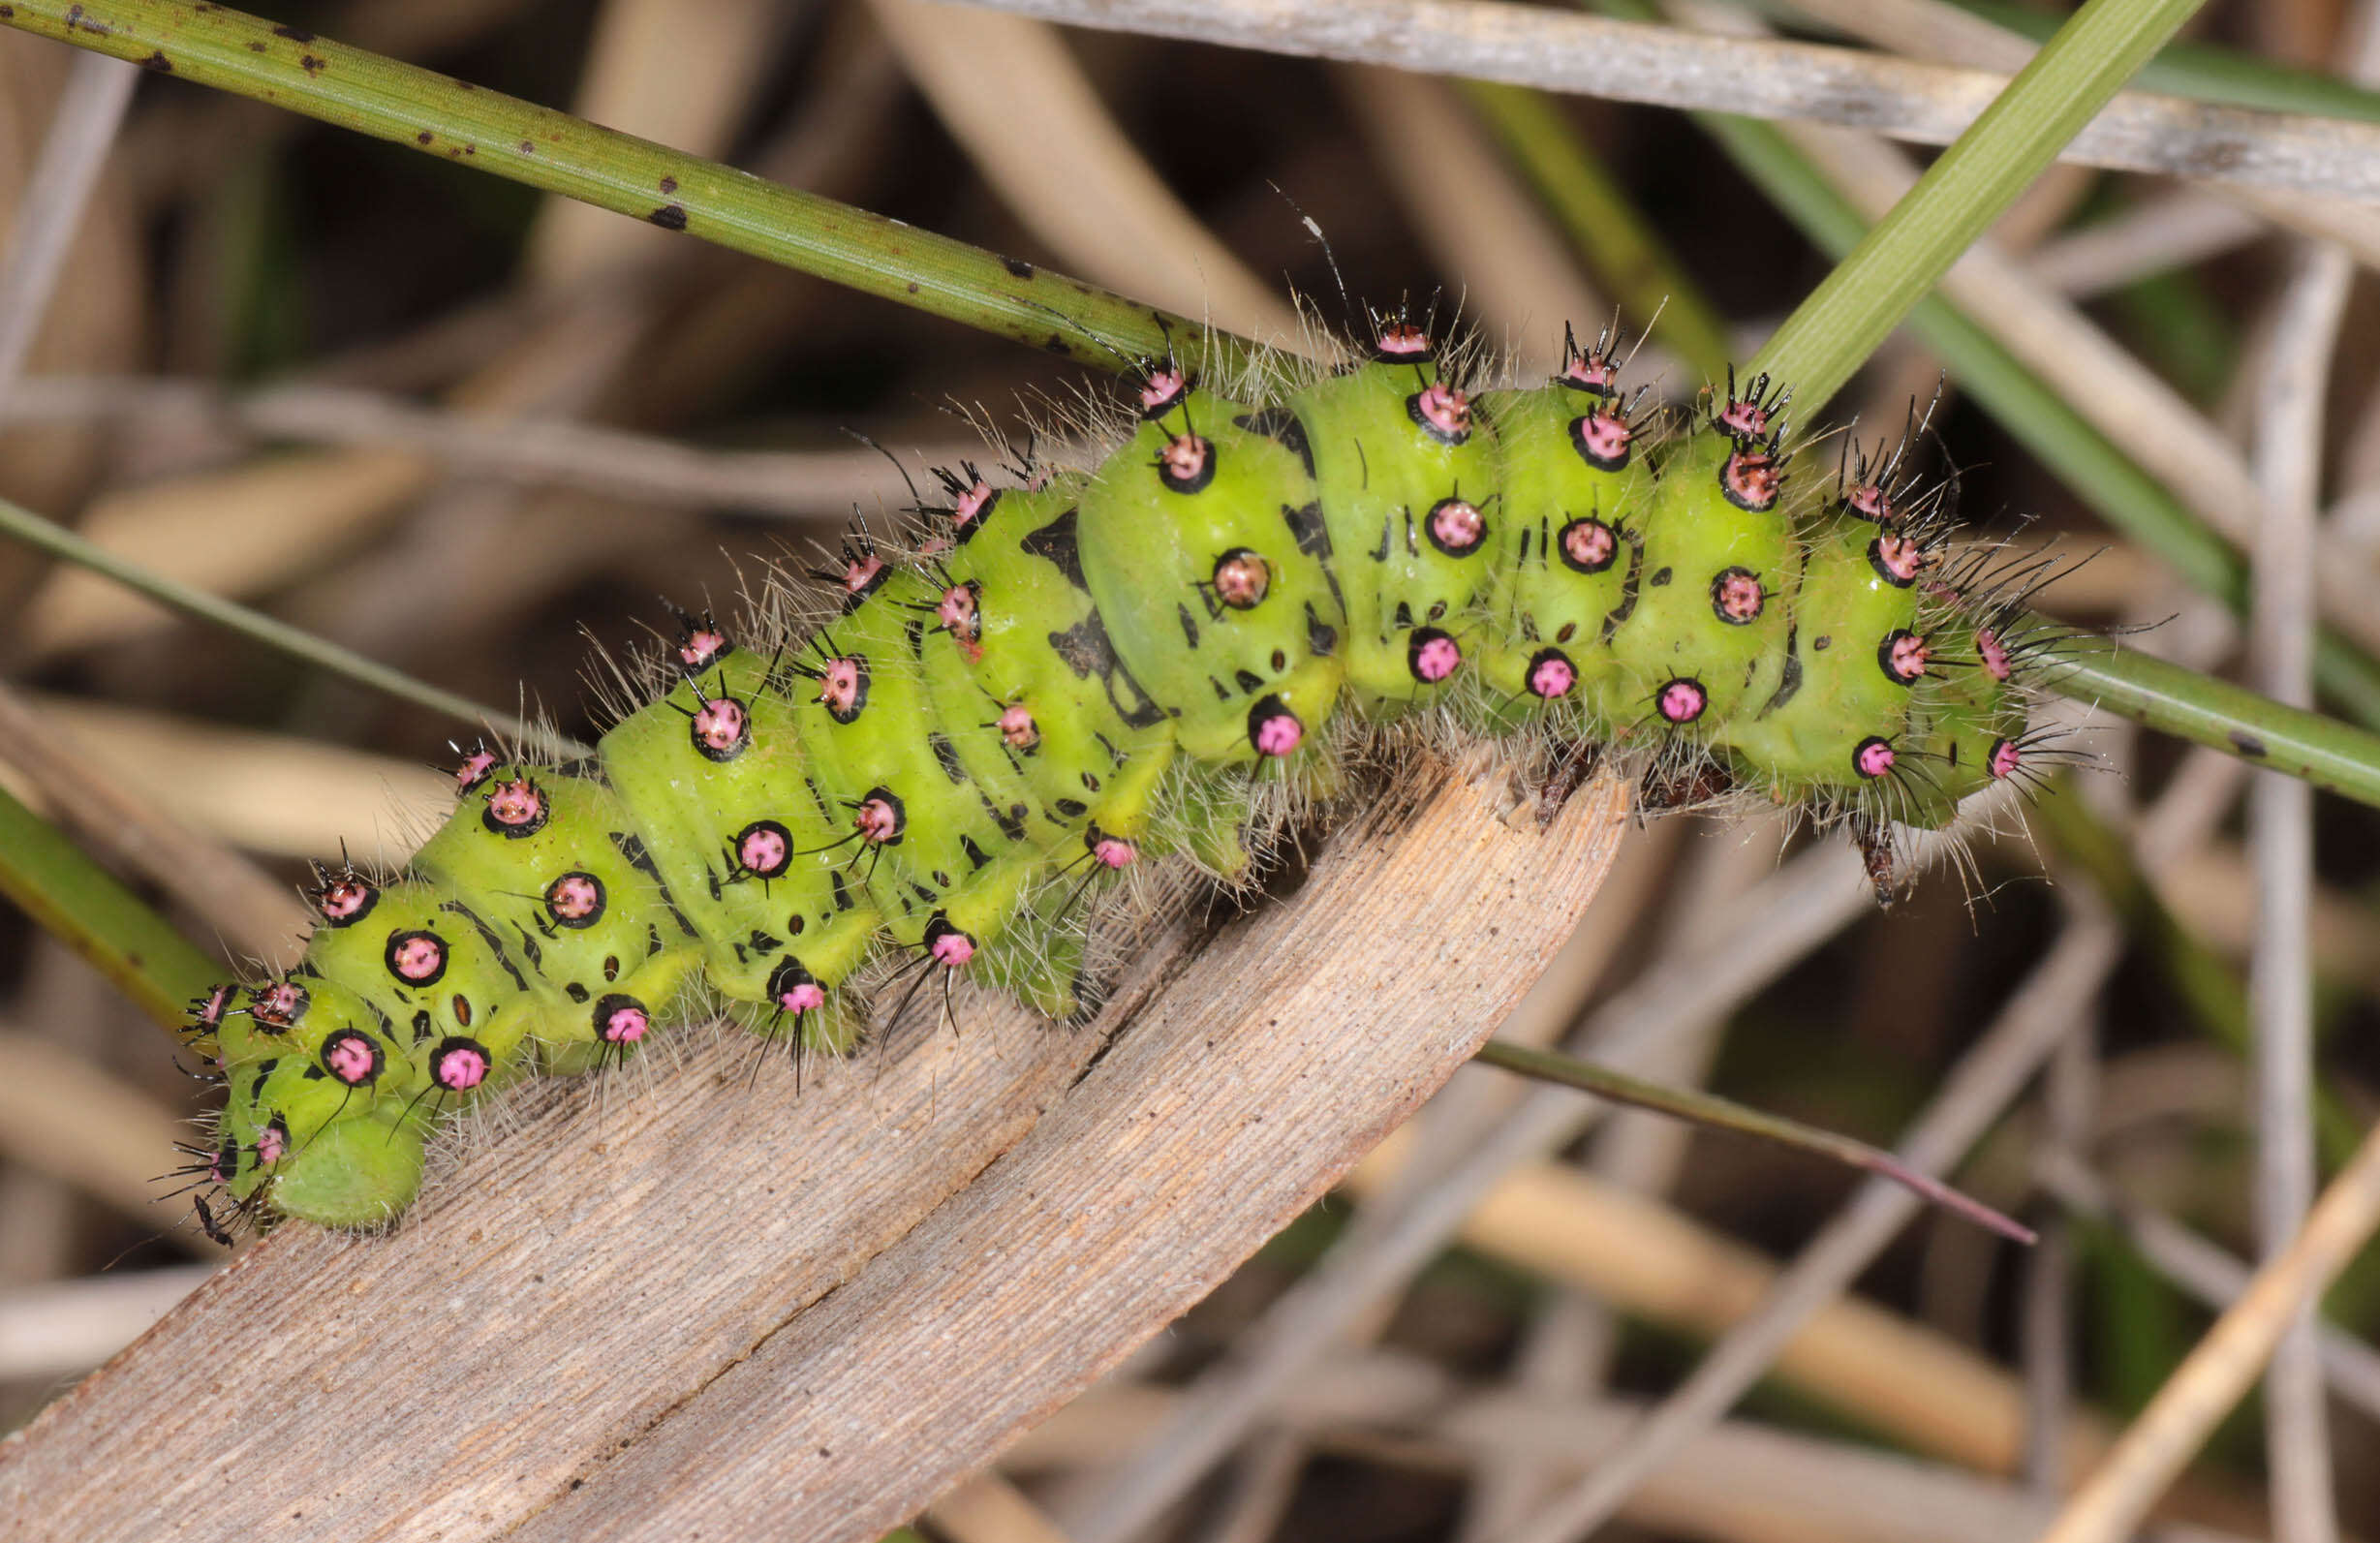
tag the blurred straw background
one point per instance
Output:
(475, 434)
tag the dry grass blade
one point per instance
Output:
(1007, 89)
(1558, 50)
(663, 473)
(778, 1358)
(2179, 1419)
(43, 225)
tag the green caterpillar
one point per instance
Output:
(1063, 677)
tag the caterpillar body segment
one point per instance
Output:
(1060, 679)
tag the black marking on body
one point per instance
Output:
(842, 890)
(1087, 651)
(1249, 680)
(1321, 638)
(421, 1026)
(1190, 624)
(1071, 809)
(1789, 684)
(1060, 543)
(1010, 820)
(1279, 423)
(946, 755)
(489, 936)
(1660, 577)
(1618, 614)
(976, 855)
(576, 992)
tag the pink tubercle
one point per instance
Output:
(1752, 479)
(702, 644)
(1908, 657)
(1456, 526)
(720, 724)
(1017, 727)
(1590, 544)
(1114, 852)
(206, 1012)
(1242, 579)
(1900, 556)
(838, 685)
(474, 770)
(1278, 732)
(806, 996)
(1552, 677)
(1874, 758)
(272, 1143)
(1738, 596)
(1184, 461)
(350, 1057)
(516, 803)
(1401, 340)
(1992, 652)
(2005, 759)
(951, 949)
(1872, 501)
(1436, 657)
(1593, 371)
(971, 504)
(418, 957)
(280, 1003)
(763, 849)
(877, 819)
(624, 1023)
(860, 573)
(574, 897)
(1603, 439)
(1444, 411)
(461, 1067)
(1743, 418)
(956, 611)
(1162, 390)
(1681, 701)
(345, 899)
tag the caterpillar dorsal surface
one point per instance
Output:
(1064, 677)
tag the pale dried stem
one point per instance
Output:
(669, 1344)
(2227, 1361)
(2158, 236)
(2288, 461)
(1561, 50)
(530, 451)
(41, 228)
(63, 1117)
(987, 1508)
(60, 1330)
(2206, 1271)
(1012, 93)
(246, 909)
(1988, 1078)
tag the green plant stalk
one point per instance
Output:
(454, 120)
(45, 535)
(2324, 752)
(1833, 332)
(2208, 986)
(1725, 1114)
(1622, 248)
(90, 910)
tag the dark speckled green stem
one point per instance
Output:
(2187, 705)
(441, 117)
